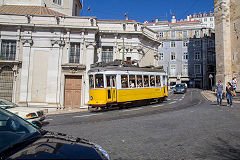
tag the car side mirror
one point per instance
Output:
(37, 123)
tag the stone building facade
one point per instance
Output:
(46, 54)
(227, 22)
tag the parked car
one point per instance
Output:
(20, 139)
(30, 114)
(180, 88)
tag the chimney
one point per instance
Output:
(127, 18)
(174, 19)
(156, 20)
(188, 18)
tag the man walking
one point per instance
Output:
(219, 90)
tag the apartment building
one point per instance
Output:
(182, 40)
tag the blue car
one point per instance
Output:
(180, 88)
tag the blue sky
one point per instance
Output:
(142, 10)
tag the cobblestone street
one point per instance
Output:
(184, 127)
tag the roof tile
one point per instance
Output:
(30, 10)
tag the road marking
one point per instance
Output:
(48, 119)
(131, 110)
(169, 99)
(173, 102)
(87, 115)
(180, 99)
(175, 99)
(157, 106)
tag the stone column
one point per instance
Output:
(223, 41)
(25, 72)
(89, 59)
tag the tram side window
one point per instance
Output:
(91, 81)
(152, 81)
(146, 81)
(108, 81)
(99, 81)
(124, 81)
(139, 81)
(132, 82)
(158, 81)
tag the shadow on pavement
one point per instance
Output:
(222, 149)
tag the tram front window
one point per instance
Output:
(139, 81)
(146, 81)
(91, 81)
(99, 81)
(152, 81)
(158, 81)
(124, 81)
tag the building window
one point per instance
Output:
(173, 69)
(161, 56)
(172, 34)
(185, 69)
(185, 43)
(173, 44)
(197, 43)
(197, 55)
(8, 50)
(107, 54)
(197, 69)
(76, 10)
(211, 19)
(161, 45)
(205, 19)
(173, 56)
(185, 56)
(197, 33)
(74, 55)
(211, 25)
(161, 34)
(59, 2)
(184, 34)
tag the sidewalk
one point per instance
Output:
(211, 96)
(67, 110)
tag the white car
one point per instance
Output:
(30, 114)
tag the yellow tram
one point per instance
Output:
(117, 85)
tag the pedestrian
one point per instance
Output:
(219, 91)
(229, 94)
(234, 83)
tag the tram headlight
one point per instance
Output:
(91, 98)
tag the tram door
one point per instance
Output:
(111, 88)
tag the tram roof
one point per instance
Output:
(124, 68)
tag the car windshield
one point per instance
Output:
(6, 104)
(180, 85)
(14, 130)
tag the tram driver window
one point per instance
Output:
(146, 81)
(132, 82)
(152, 81)
(91, 81)
(139, 81)
(99, 81)
(124, 81)
(158, 81)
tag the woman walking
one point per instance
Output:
(229, 93)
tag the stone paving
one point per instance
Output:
(211, 96)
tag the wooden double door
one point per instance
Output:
(73, 91)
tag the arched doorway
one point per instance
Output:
(6, 83)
